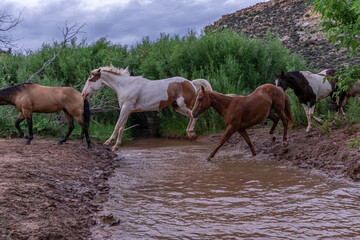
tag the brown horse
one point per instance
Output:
(31, 98)
(342, 99)
(241, 112)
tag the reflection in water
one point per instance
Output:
(167, 190)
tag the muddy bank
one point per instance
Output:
(327, 152)
(47, 191)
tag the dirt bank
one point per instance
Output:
(47, 191)
(327, 152)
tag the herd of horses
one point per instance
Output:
(138, 94)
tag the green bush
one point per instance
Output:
(232, 63)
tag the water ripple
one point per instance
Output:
(171, 192)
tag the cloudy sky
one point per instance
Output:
(121, 21)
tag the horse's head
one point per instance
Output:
(93, 83)
(202, 103)
(281, 81)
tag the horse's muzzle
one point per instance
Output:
(85, 95)
(195, 114)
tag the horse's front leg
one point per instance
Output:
(227, 134)
(123, 119)
(17, 124)
(311, 113)
(275, 121)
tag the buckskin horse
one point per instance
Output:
(29, 98)
(309, 88)
(138, 94)
(241, 112)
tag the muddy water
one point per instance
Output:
(166, 190)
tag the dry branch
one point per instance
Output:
(7, 23)
(68, 33)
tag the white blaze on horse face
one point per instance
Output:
(90, 88)
(277, 82)
(320, 88)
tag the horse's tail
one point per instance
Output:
(86, 118)
(198, 83)
(288, 111)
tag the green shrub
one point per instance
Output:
(232, 63)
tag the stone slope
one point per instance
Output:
(297, 27)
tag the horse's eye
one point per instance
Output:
(200, 99)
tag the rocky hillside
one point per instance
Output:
(295, 24)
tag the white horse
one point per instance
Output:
(138, 94)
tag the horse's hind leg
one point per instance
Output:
(30, 127)
(84, 130)
(244, 134)
(284, 121)
(17, 124)
(275, 120)
(70, 123)
(181, 108)
(307, 112)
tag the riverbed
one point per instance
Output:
(165, 189)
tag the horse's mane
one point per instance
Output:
(117, 71)
(13, 89)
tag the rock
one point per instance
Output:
(293, 21)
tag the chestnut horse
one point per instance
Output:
(29, 98)
(241, 112)
(138, 94)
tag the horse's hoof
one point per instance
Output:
(284, 144)
(191, 135)
(107, 142)
(273, 139)
(27, 136)
(60, 142)
(115, 149)
(27, 143)
(308, 129)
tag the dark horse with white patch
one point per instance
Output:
(309, 88)
(241, 112)
(29, 98)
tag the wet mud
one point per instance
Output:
(328, 152)
(57, 192)
(49, 191)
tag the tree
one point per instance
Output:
(69, 34)
(7, 23)
(341, 22)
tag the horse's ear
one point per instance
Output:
(202, 88)
(282, 73)
(99, 70)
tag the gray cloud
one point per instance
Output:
(120, 24)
